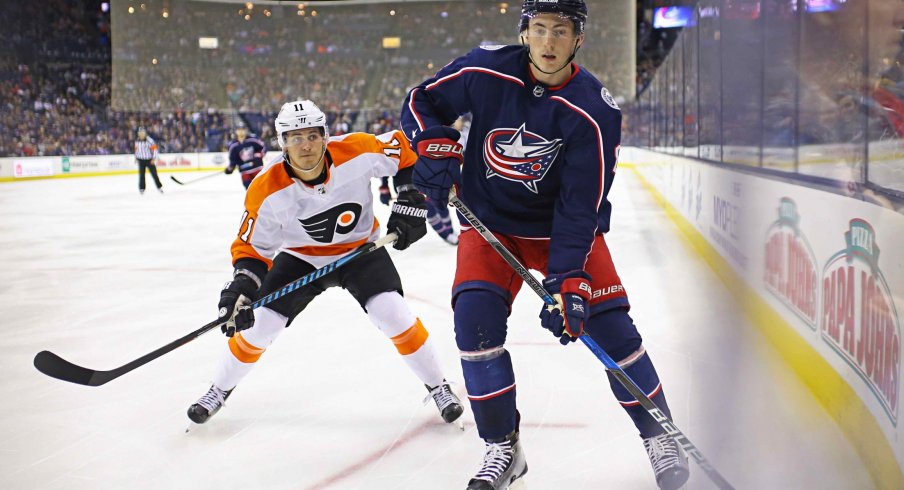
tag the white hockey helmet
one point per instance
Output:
(299, 114)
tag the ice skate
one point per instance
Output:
(447, 402)
(668, 460)
(208, 405)
(502, 464)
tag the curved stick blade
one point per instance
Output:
(56, 367)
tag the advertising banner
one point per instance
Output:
(830, 265)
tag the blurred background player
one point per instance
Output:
(308, 209)
(146, 153)
(537, 174)
(247, 154)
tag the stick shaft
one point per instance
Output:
(617, 372)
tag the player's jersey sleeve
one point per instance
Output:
(590, 160)
(441, 99)
(261, 232)
(234, 160)
(388, 153)
(260, 149)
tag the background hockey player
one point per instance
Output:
(537, 169)
(247, 154)
(304, 211)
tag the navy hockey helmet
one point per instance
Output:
(575, 10)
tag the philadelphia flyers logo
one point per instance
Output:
(340, 220)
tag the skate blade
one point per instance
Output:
(192, 426)
(460, 424)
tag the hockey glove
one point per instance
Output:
(228, 170)
(438, 166)
(385, 195)
(408, 218)
(235, 304)
(572, 294)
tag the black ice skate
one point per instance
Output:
(502, 464)
(448, 404)
(668, 460)
(208, 405)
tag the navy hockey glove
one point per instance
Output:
(228, 170)
(438, 166)
(408, 218)
(572, 294)
(235, 304)
(385, 195)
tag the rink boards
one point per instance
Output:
(820, 274)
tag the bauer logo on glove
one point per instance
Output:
(441, 150)
(566, 318)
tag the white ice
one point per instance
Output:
(100, 275)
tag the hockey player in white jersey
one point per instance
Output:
(304, 211)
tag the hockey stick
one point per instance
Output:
(195, 180)
(611, 366)
(56, 367)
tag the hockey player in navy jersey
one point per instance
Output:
(247, 154)
(537, 168)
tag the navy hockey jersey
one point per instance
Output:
(540, 160)
(247, 155)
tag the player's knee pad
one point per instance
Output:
(480, 320)
(615, 332)
(248, 345)
(390, 313)
(490, 381)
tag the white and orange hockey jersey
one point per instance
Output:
(321, 223)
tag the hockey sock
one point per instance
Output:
(246, 347)
(439, 219)
(490, 380)
(438, 226)
(480, 331)
(418, 353)
(389, 312)
(615, 331)
(643, 373)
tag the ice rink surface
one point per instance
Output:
(100, 275)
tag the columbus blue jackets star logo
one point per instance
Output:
(519, 155)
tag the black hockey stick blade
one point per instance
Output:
(56, 367)
(176, 180)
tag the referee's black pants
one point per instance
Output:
(146, 164)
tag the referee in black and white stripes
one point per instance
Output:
(146, 154)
